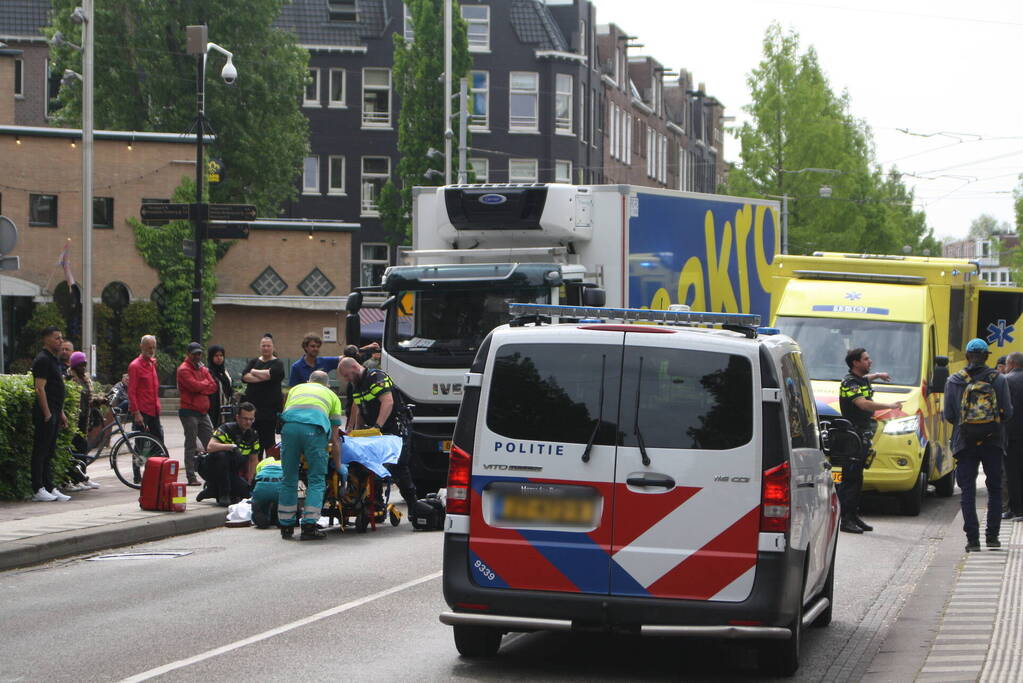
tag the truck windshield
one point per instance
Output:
(445, 327)
(893, 347)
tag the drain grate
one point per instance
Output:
(156, 555)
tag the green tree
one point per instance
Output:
(419, 83)
(1017, 204)
(799, 126)
(145, 81)
(985, 225)
(29, 342)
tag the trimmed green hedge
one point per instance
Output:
(17, 394)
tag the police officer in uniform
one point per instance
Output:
(233, 449)
(374, 404)
(856, 401)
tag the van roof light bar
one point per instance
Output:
(746, 321)
(860, 277)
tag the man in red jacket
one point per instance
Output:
(195, 384)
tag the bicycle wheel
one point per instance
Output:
(129, 455)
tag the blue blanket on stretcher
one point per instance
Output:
(372, 452)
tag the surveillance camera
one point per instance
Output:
(229, 73)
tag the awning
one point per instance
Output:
(13, 286)
(308, 303)
(368, 316)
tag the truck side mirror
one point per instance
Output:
(594, 296)
(354, 303)
(939, 375)
(353, 329)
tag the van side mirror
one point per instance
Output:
(354, 303)
(939, 375)
(594, 296)
(353, 329)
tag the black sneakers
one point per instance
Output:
(993, 543)
(311, 532)
(287, 532)
(972, 545)
(850, 526)
(861, 524)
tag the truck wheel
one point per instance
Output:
(912, 501)
(477, 642)
(781, 657)
(946, 486)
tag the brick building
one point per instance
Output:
(992, 253)
(33, 83)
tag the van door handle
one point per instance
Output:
(662, 480)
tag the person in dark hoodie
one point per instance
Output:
(977, 403)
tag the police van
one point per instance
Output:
(650, 472)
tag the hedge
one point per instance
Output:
(17, 394)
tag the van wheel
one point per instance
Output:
(477, 642)
(946, 486)
(824, 618)
(781, 657)
(912, 501)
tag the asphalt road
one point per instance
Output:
(245, 605)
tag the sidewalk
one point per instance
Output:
(107, 517)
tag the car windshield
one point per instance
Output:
(893, 347)
(451, 322)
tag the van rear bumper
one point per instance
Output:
(767, 612)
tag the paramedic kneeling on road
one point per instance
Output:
(856, 401)
(311, 418)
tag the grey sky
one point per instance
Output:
(947, 70)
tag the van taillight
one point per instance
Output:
(776, 500)
(459, 474)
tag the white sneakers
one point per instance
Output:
(44, 496)
(60, 497)
(91, 484)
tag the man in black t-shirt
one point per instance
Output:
(47, 415)
(857, 404)
(262, 377)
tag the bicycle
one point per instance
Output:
(129, 453)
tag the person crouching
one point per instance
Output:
(231, 458)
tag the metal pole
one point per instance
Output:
(3, 364)
(784, 224)
(447, 92)
(463, 123)
(200, 90)
(87, 125)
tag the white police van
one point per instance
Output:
(662, 479)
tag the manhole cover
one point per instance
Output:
(165, 555)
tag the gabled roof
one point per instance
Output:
(23, 18)
(534, 25)
(310, 21)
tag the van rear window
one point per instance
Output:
(551, 392)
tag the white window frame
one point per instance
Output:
(19, 78)
(368, 205)
(338, 191)
(562, 165)
(613, 111)
(480, 163)
(314, 71)
(407, 30)
(331, 102)
(664, 159)
(372, 261)
(582, 37)
(313, 187)
(583, 101)
(377, 119)
(564, 125)
(478, 122)
(530, 166)
(521, 123)
(478, 45)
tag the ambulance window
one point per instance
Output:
(551, 392)
(957, 303)
(799, 407)
(687, 399)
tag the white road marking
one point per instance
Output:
(223, 649)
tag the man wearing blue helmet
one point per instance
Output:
(977, 403)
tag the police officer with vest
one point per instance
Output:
(232, 450)
(311, 419)
(374, 404)
(857, 404)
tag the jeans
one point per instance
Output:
(1014, 474)
(967, 462)
(43, 449)
(196, 427)
(298, 439)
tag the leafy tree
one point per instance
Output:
(144, 80)
(29, 342)
(985, 225)
(797, 126)
(1017, 203)
(419, 83)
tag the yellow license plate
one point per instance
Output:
(547, 510)
(836, 476)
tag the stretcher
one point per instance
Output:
(363, 500)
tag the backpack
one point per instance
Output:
(427, 514)
(979, 415)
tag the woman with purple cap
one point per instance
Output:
(78, 373)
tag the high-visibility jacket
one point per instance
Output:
(314, 404)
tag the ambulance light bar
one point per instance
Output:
(689, 318)
(861, 277)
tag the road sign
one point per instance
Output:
(228, 231)
(232, 212)
(10, 262)
(165, 212)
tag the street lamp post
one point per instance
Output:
(87, 124)
(784, 197)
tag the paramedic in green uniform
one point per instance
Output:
(311, 419)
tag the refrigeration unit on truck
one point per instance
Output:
(477, 248)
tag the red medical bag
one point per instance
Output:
(158, 472)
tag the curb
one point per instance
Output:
(39, 549)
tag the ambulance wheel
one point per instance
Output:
(477, 642)
(912, 501)
(946, 486)
(393, 515)
(781, 657)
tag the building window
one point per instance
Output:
(409, 31)
(563, 89)
(103, 212)
(19, 78)
(312, 89)
(336, 177)
(316, 284)
(375, 259)
(583, 101)
(562, 171)
(376, 97)
(477, 18)
(116, 295)
(522, 171)
(481, 169)
(522, 101)
(42, 210)
(582, 37)
(376, 171)
(269, 283)
(613, 129)
(343, 10)
(311, 176)
(337, 88)
(479, 100)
